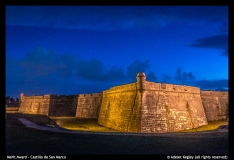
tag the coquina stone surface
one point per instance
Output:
(142, 106)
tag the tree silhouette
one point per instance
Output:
(18, 101)
(12, 100)
(7, 100)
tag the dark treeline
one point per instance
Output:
(11, 102)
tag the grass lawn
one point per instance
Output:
(89, 124)
(23, 140)
(212, 125)
(81, 124)
(86, 124)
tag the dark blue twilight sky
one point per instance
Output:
(85, 49)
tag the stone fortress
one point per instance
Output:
(143, 106)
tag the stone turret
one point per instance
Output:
(141, 79)
(21, 96)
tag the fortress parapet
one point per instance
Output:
(170, 88)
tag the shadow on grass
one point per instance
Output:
(212, 125)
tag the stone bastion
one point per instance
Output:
(143, 106)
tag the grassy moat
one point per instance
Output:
(88, 124)
(83, 124)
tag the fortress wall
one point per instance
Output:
(63, 106)
(215, 104)
(34, 104)
(143, 106)
(170, 87)
(83, 105)
(88, 105)
(120, 108)
(168, 108)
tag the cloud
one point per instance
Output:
(151, 77)
(211, 84)
(187, 78)
(116, 74)
(216, 42)
(201, 12)
(136, 67)
(80, 17)
(108, 17)
(222, 24)
(223, 28)
(166, 78)
(183, 76)
(45, 72)
(41, 62)
(40, 72)
(90, 69)
(94, 70)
